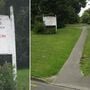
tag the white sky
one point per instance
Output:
(83, 9)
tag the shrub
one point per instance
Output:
(39, 27)
(6, 77)
(50, 30)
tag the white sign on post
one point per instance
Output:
(7, 37)
(50, 21)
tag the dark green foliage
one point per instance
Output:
(86, 17)
(2, 6)
(65, 10)
(5, 58)
(88, 21)
(72, 16)
(39, 27)
(50, 30)
(6, 77)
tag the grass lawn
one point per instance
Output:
(85, 61)
(49, 52)
(23, 79)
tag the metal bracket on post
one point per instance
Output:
(13, 43)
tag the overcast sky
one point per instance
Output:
(83, 9)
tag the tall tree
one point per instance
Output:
(62, 8)
(86, 17)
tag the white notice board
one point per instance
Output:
(5, 35)
(7, 38)
(50, 20)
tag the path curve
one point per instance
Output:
(70, 74)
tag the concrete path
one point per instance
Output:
(43, 86)
(70, 74)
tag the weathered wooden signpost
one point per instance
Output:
(7, 38)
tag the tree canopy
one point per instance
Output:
(86, 17)
(66, 10)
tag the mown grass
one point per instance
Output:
(49, 52)
(85, 61)
(23, 79)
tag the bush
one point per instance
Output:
(6, 77)
(50, 30)
(39, 27)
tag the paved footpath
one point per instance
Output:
(43, 86)
(70, 74)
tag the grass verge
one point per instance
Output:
(23, 79)
(85, 60)
(49, 52)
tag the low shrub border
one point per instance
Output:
(6, 77)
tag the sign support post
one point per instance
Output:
(56, 23)
(13, 43)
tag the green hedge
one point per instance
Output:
(6, 77)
